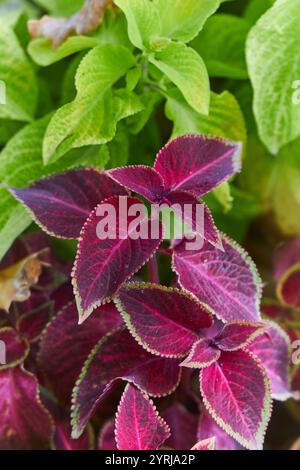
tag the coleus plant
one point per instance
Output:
(147, 334)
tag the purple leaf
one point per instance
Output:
(197, 164)
(226, 281)
(236, 392)
(15, 348)
(31, 324)
(196, 215)
(25, 424)
(273, 350)
(208, 428)
(183, 426)
(118, 356)
(286, 256)
(102, 266)
(288, 288)
(138, 424)
(206, 444)
(107, 440)
(141, 179)
(64, 441)
(61, 204)
(202, 354)
(165, 321)
(65, 345)
(237, 335)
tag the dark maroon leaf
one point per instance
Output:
(118, 356)
(62, 203)
(197, 163)
(165, 321)
(25, 424)
(141, 179)
(226, 281)
(236, 392)
(66, 345)
(13, 349)
(183, 426)
(138, 424)
(103, 265)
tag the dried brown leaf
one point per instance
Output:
(17, 279)
(59, 29)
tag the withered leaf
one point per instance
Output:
(17, 279)
(59, 29)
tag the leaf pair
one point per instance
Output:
(161, 28)
(183, 327)
(185, 169)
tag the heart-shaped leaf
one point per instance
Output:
(165, 321)
(229, 387)
(65, 345)
(138, 424)
(25, 423)
(141, 179)
(103, 265)
(226, 281)
(202, 354)
(274, 351)
(13, 349)
(197, 163)
(118, 356)
(62, 203)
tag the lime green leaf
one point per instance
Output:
(256, 8)
(185, 68)
(275, 182)
(21, 164)
(221, 44)
(91, 118)
(273, 56)
(183, 19)
(225, 118)
(19, 77)
(143, 21)
(42, 52)
(61, 7)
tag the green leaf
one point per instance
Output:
(273, 57)
(91, 118)
(143, 21)
(185, 68)
(221, 44)
(256, 8)
(275, 182)
(61, 7)
(19, 77)
(183, 19)
(225, 118)
(43, 53)
(21, 164)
